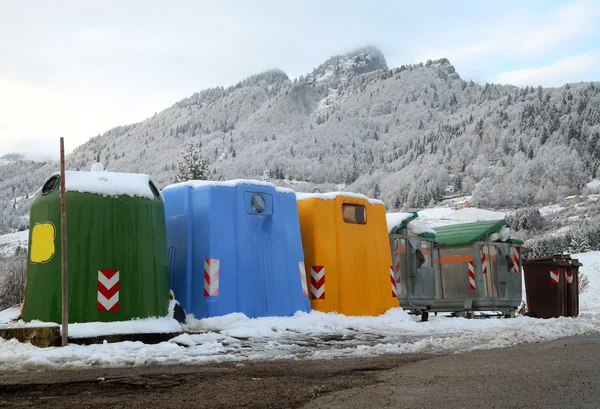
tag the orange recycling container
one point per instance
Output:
(347, 255)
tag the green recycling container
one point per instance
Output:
(116, 249)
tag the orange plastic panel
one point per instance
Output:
(355, 258)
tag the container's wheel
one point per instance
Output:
(531, 314)
(424, 316)
(469, 315)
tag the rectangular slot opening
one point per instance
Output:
(354, 214)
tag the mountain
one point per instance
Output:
(408, 135)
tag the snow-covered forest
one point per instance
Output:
(408, 135)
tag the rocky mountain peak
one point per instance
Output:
(357, 62)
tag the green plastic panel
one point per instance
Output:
(467, 233)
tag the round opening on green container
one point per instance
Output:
(258, 203)
(50, 185)
(154, 190)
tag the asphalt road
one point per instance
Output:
(560, 374)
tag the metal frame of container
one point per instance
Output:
(480, 277)
(415, 285)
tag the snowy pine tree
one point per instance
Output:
(266, 176)
(579, 243)
(192, 166)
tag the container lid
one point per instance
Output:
(333, 195)
(465, 234)
(560, 260)
(399, 221)
(199, 184)
(110, 184)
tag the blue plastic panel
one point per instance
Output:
(227, 257)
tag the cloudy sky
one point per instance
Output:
(78, 68)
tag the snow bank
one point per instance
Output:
(97, 167)
(96, 329)
(9, 314)
(313, 335)
(139, 326)
(10, 242)
(197, 184)
(590, 299)
(592, 187)
(593, 184)
(333, 195)
(110, 184)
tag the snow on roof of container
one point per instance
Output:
(333, 195)
(197, 184)
(109, 183)
(397, 221)
(420, 228)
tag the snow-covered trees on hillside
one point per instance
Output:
(192, 165)
(584, 238)
(415, 131)
(13, 274)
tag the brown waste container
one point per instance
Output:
(552, 286)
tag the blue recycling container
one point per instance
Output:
(235, 246)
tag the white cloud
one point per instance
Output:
(34, 117)
(76, 69)
(575, 20)
(572, 69)
(521, 35)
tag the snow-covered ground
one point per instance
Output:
(9, 314)
(590, 299)
(314, 335)
(9, 242)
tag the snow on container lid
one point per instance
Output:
(111, 184)
(198, 184)
(334, 195)
(397, 221)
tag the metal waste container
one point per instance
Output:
(552, 286)
(412, 262)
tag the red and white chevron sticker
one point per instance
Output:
(393, 278)
(471, 276)
(554, 276)
(303, 278)
(515, 255)
(108, 290)
(484, 261)
(211, 277)
(569, 276)
(317, 282)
